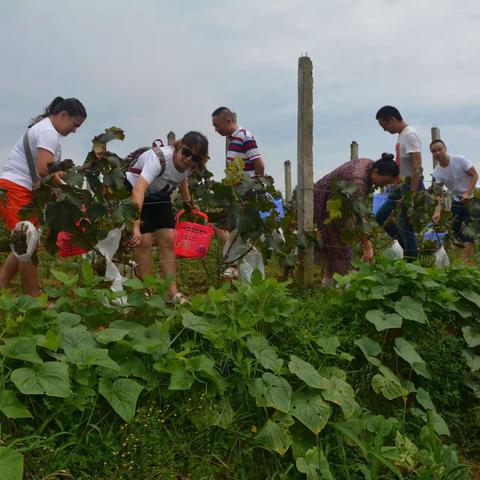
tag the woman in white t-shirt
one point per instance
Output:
(59, 119)
(152, 178)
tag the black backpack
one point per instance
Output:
(131, 159)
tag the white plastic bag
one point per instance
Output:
(108, 247)
(441, 258)
(249, 258)
(30, 232)
(395, 251)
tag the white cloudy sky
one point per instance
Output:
(150, 66)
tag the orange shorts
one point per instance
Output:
(17, 197)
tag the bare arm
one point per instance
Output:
(416, 159)
(259, 167)
(472, 173)
(44, 160)
(138, 196)
(367, 248)
(184, 190)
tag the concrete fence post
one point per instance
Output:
(288, 180)
(170, 138)
(305, 167)
(354, 150)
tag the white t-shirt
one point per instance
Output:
(454, 176)
(148, 166)
(41, 135)
(408, 142)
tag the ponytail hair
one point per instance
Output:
(386, 166)
(72, 106)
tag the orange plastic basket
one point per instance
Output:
(192, 239)
(65, 246)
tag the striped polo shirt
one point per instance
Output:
(242, 144)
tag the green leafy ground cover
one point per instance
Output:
(375, 380)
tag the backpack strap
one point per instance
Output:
(161, 158)
(30, 161)
(131, 159)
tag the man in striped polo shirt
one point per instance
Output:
(240, 142)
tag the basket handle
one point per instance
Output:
(195, 212)
(434, 228)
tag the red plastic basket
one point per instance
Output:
(192, 239)
(65, 246)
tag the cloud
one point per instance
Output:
(151, 67)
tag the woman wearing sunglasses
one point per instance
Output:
(153, 177)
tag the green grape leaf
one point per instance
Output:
(410, 309)
(311, 410)
(382, 320)
(370, 348)
(271, 391)
(122, 395)
(307, 373)
(275, 437)
(11, 407)
(471, 334)
(11, 464)
(406, 350)
(51, 379)
(264, 353)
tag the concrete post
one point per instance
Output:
(354, 150)
(288, 180)
(170, 138)
(435, 136)
(305, 166)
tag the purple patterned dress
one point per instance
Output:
(335, 254)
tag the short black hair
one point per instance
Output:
(387, 111)
(223, 111)
(437, 141)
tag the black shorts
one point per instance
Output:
(157, 213)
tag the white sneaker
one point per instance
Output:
(230, 273)
(179, 299)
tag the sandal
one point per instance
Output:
(230, 273)
(179, 299)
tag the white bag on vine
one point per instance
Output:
(108, 247)
(397, 250)
(24, 240)
(236, 250)
(441, 258)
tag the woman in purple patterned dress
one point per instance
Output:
(335, 254)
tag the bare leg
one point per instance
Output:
(9, 270)
(467, 252)
(168, 263)
(222, 235)
(143, 256)
(29, 273)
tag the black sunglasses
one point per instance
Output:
(196, 159)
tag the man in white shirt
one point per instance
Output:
(458, 174)
(409, 159)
